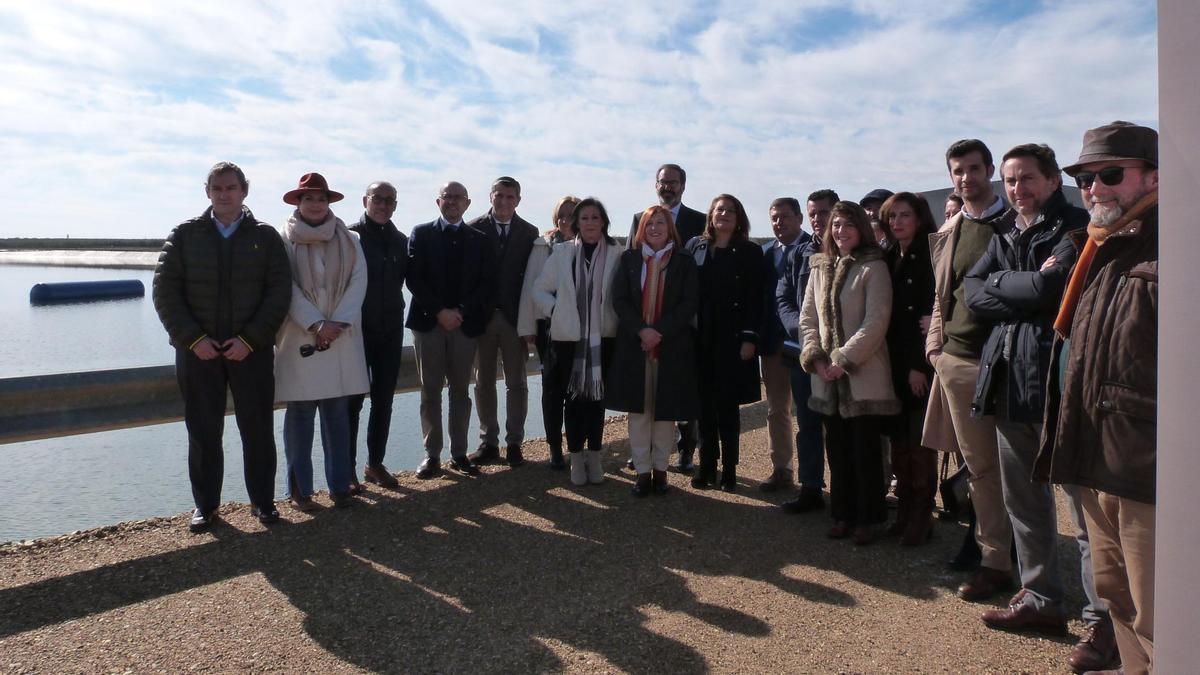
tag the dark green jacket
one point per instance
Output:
(255, 281)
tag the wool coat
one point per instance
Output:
(527, 314)
(730, 313)
(554, 293)
(338, 371)
(912, 299)
(676, 394)
(847, 308)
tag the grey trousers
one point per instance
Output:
(1031, 510)
(500, 339)
(444, 357)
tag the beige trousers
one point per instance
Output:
(954, 384)
(650, 441)
(777, 379)
(1121, 531)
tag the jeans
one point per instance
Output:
(335, 441)
(810, 447)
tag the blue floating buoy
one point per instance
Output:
(81, 291)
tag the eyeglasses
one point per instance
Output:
(1109, 175)
(308, 350)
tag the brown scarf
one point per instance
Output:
(1097, 235)
(322, 261)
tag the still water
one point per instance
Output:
(59, 485)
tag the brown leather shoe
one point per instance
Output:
(1096, 650)
(379, 475)
(840, 530)
(985, 583)
(486, 454)
(781, 479)
(1022, 617)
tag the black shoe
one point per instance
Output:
(642, 487)
(265, 514)
(810, 499)
(341, 499)
(685, 464)
(464, 465)
(629, 465)
(486, 454)
(429, 468)
(965, 561)
(513, 456)
(202, 520)
(556, 460)
(659, 481)
(729, 479)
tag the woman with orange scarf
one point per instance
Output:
(655, 293)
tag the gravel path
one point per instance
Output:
(513, 572)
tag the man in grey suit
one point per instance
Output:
(511, 239)
(669, 183)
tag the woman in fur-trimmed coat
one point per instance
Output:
(844, 321)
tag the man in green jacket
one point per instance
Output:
(222, 288)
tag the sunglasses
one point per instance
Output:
(308, 350)
(1110, 176)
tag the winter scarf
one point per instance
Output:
(587, 378)
(654, 273)
(323, 259)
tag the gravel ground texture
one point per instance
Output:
(514, 571)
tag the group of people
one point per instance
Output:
(1020, 335)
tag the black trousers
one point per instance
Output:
(855, 452)
(584, 420)
(203, 385)
(554, 385)
(383, 363)
(720, 431)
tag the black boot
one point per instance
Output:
(705, 476)
(556, 458)
(642, 487)
(729, 478)
(659, 479)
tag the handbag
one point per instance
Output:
(953, 488)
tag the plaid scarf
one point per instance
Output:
(654, 273)
(587, 378)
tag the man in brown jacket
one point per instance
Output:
(1100, 431)
(953, 346)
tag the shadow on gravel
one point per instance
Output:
(491, 573)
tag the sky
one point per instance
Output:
(112, 113)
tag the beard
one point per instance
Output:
(1106, 214)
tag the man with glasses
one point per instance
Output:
(669, 183)
(1102, 392)
(385, 249)
(222, 288)
(449, 276)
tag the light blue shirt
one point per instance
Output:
(228, 230)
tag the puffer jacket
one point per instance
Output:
(385, 250)
(1101, 408)
(1009, 286)
(190, 280)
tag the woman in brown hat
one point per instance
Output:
(320, 360)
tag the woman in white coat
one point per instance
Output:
(320, 360)
(574, 291)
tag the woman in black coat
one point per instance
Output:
(653, 377)
(909, 224)
(728, 319)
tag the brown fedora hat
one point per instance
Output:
(1116, 141)
(312, 182)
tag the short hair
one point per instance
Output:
(506, 181)
(965, 147)
(925, 223)
(741, 230)
(1046, 161)
(672, 233)
(954, 198)
(790, 202)
(824, 195)
(858, 217)
(583, 204)
(224, 167)
(676, 167)
(378, 184)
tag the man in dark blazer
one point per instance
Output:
(669, 183)
(789, 298)
(511, 239)
(385, 250)
(785, 218)
(449, 275)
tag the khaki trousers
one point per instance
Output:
(500, 339)
(650, 440)
(954, 383)
(777, 379)
(1121, 531)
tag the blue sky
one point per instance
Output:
(113, 112)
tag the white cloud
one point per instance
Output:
(113, 112)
